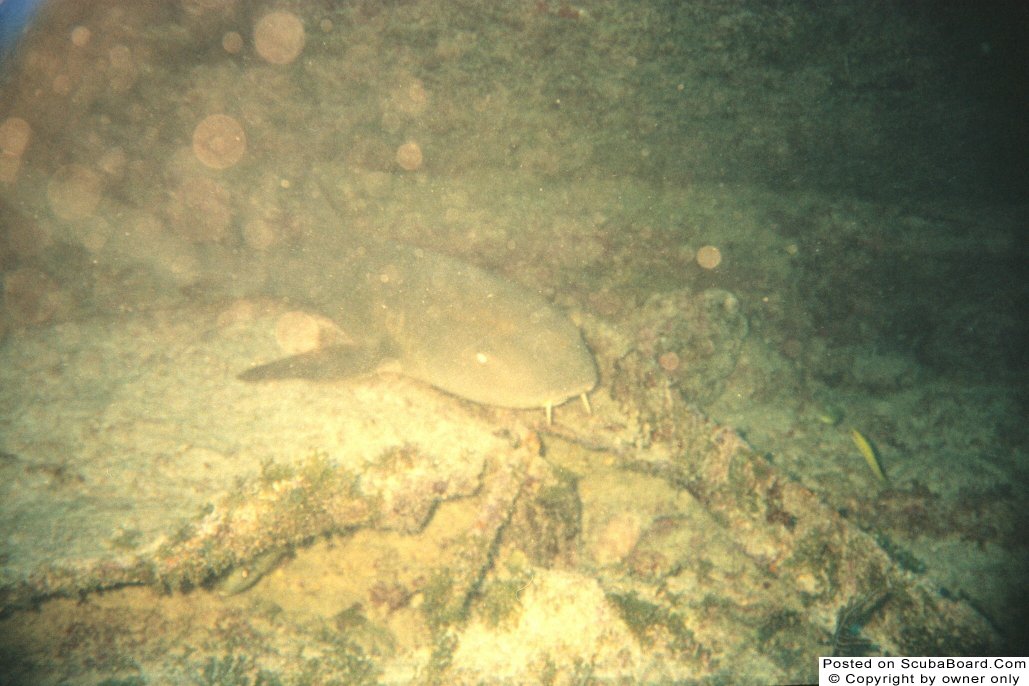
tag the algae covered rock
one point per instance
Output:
(695, 339)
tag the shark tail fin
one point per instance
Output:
(326, 364)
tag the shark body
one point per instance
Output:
(442, 321)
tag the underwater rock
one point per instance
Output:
(288, 462)
(694, 339)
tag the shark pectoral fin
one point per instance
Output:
(331, 363)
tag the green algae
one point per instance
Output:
(500, 600)
(441, 605)
(294, 504)
(651, 623)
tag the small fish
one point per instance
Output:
(868, 451)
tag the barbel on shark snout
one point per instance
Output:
(440, 320)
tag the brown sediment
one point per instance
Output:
(279, 37)
(709, 257)
(219, 141)
(232, 42)
(409, 156)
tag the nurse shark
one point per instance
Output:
(439, 320)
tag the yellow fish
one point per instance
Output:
(868, 451)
